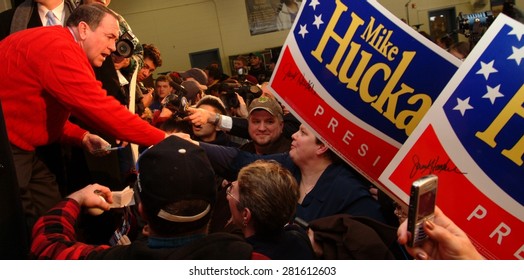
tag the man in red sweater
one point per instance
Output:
(46, 75)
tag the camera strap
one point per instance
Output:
(132, 108)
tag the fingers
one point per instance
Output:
(124, 240)
(438, 233)
(317, 248)
(402, 233)
(418, 253)
(402, 238)
(100, 152)
(104, 192)
(374, 192)
(225, 183)
(191, 110)
(121, 143)
(194, 115)
(93, 196)
(199, 116)
(186, 137)
(96, 145)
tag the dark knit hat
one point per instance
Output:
(175, 170)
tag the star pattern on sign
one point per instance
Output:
(303, 30)
(463, 105)
(517, 32)
(318, 21)
(486, 69)
(314, 4)
(493, 93)
(517, 55)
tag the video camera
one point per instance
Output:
(125, 45)
(246, 90)
(473, 26)
(177, 102)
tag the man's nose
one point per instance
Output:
(112, 46)
(262, 126)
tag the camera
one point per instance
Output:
(125, 46)
(176, 103)
(245, 90)
(473, 26)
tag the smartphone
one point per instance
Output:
(421, 207)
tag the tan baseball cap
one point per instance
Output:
(266, 103)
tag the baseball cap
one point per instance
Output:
(266, 103)
(198, 74)
(257, 54)
(175, 76)
(192, 89)
(175, 170)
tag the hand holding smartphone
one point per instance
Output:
(421, 207)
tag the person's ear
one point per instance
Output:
(146, 231)
(246, 216)
(322, 148)
(83, 28)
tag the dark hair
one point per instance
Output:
(425, 34)
(214, 102)
(176, 124)
(243, 59)
(462, 48)
(153, 53)
(164, 78)
(213, 72)
(92, 14)
(446, 40)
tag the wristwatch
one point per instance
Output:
(217, 119)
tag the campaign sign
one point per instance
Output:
(360, 78)
(473, 139)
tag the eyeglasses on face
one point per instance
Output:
(228, 192)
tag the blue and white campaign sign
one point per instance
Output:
(473, 139)
(360, 78)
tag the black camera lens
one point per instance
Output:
(124, 48)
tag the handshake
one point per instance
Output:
(120, 199)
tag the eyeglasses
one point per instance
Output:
(228, 192)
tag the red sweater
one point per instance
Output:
(44, 77)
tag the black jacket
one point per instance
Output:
(216, 246)
(345, 237)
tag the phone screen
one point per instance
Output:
(426, 204)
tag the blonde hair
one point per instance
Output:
(270, 192)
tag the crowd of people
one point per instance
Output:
(460, 49)
(224, 170)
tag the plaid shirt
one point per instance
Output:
(54, 237)
(54, 234)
